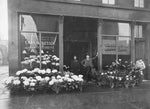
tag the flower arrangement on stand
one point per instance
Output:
(44, 80)
(122, 74)
(47, 61)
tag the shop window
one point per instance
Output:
(116, 40)
(38, 40)
(139, 3)
(115, 28)
(110, 2)
(138, 31)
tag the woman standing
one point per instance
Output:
(75, 66)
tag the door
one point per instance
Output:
(140, 52)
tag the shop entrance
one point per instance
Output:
(75, 49)
(140, 52)
(79, 38)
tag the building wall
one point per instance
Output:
(123, 11)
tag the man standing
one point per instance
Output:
(88, 65)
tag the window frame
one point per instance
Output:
(138, 30)
(20, 31)
(139, 3)
(108, 2)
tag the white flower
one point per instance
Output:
(112, 77)
(57, 64)
(54, 71)
(75, 77)
(120, 78)
(127, 78)
(38, 78)
(29, 72)
(53, 63)
(47, 78)
(9, 80)
(24, 77)
(60, 80)
(58, 77)
(51, 82)
(80, 76)
(36, 70)
(70, 80)
(48, 70)
(16, 82)
(24, 52)
(67, 75)
(18, 73)
(43, 71)
(24, 71)
(53, 77)
(80, 79)
(32, 84)
(44, 62)
(111, 73)
(54, 80)
(26, 83)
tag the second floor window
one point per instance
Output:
(111, 2)
(139, 3)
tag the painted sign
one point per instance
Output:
(109, 47)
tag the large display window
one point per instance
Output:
(38, 40)
(116, 39)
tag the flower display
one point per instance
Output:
(118, 74)
(45, 79)
(122, 74)
(47, 61)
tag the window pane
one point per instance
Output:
(141, 3)
(136, 31)
(30, 43)
(105, 1)
(49, 43)
(30, 50)
(112, 2)
(110, 28)
(136, 3)
(39, 23)
(124, 29)
(123, 45)
(27, 23)
(108, 45)
(140, 32)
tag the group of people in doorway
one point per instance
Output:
(85, 67)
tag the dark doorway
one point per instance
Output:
(79, 38)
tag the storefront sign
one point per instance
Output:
(48, 41)
(109, 47)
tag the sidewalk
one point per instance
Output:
(91, 98)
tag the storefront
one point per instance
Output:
(76, 28)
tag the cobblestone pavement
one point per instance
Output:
(91, 98)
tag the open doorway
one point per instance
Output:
(79, 38)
